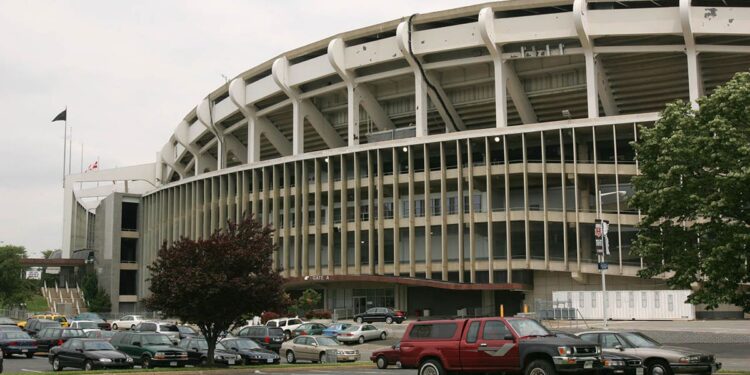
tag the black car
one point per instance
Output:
(622, 364)
(269, 338)
(94, 317)
(49, 338)
(250, 351)
(379, 314)
(17, 342)
(88, 354)
(197, 350)
(34, 326)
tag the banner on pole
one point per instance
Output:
(601, 228)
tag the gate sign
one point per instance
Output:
(33, 275)
(600, 237)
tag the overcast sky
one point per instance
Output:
(128, 72)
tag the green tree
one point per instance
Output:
(215, 282)
(14, 288)
(97, 299)
(309, 300)
(694, 194)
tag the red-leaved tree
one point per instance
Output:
(213, 283)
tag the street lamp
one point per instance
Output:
(603, 254)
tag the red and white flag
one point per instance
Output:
(93, 166)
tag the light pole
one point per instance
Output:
(604, 252)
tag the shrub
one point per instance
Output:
(318, 314)
(268, 315)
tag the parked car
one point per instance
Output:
(267, 337)
(480, 345)
(150, 349)
(387, 357)
(187, 331)
(22, 324)
(659, 359)
(85, 325)
(615, 364)
(94, 317)
(335, 328)
(313, 348)
(166, 328)
(251, 352)
(288, 325)
(360, 333)
(17, 342)
(197, 350)
(309, 329)
(100, 334)
(5, 321)
(61, 319)
(35, 325)
(88, 354)
(127, 322)
(50, 337)
(380, 314)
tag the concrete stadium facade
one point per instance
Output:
(440, 161)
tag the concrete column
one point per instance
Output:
(358, 215)
(381, 227)
(371, 204)
(444, 216)
(412, 216)
(286, 222)
(305, 187)
(345, 213)
(329, 214)
(276, 214)
(490, 212)
(526, 225)
(427, 215)
(460, 181)
(508, 254)
(318, 224)
(472, 234)
(396, 213)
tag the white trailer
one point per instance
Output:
(628, 304)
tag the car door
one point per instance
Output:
(497, 346)
(64, 354)
(125, 345)
(77, 355)
(369, 332)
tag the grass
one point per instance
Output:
(36, 303)
(224, 370)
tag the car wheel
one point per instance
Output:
(114, 327)
(659, 368)
(88, 366)
(203, 361)
(132, 327)
(381, 362)
(540, 367)
(361, 340)
(359, 320)
(146, 362)
(29, 355)
(383, 335)
(322, 358)
(56, 366)
(431, 367)
(389, 320)
(290, 357)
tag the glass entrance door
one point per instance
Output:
(359, 304)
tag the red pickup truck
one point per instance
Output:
(494, 345)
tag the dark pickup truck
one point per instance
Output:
(481, 345)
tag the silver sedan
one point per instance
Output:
(360, 333)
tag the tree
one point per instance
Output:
(308, 300)
(694, 194)
(97, 299)
(14, 288)
(214, 282)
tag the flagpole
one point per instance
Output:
(70, 147)
(65, 147)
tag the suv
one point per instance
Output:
(267, 337)
(150, 349)
(495, 344)
(166, 328)
(50, 337)
(288, 325)
(380, 314)
(34, 326)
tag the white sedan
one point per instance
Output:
(360, 333)
(127, 322)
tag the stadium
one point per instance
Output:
(442, 161)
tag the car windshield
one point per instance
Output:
(17, 335)
(73, 333)
(186, 329)
(341, 326)
(156, 340)
(640, 340)
(97, 345)
(203, 345)
(327, 341)
(247, 344)
(89, 316)
(528, 327)
(87, 325)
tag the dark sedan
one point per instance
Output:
(197, 350)
(34, 326)
(88, 354)
(17, 342)
(250, 351)
(49, 338)
(187, 332)
(380, 314)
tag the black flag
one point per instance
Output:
(62, 116)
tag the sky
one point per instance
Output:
(128, 72)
